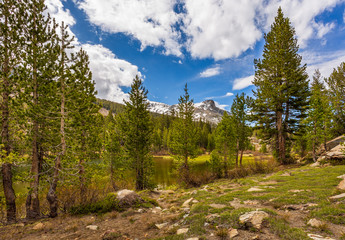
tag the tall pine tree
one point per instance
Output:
(183, 139)
(281, 86)
(136, 127)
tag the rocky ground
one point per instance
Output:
(298, 203)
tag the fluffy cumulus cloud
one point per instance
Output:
(109, 72)
(221, 29)
(210, 72)
(150, 21)
(302, 14)
(215, 29)
(242, 83)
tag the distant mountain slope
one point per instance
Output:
(206, 110)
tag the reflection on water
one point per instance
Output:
(166, 173)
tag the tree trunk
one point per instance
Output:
(32, 200)
(9, 192)
(241, 158)
(281, 138)
(5, 136)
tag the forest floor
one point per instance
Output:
(290, 197)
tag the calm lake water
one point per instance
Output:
(166, 173)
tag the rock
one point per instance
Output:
(182, 231)
(251, 202)
(38, 226)
(286, 174)
(195, 201)
(256, 237)
(338, 196)
(296, 190)
(128, 198)
(92, 227)
(194, 192)
(315, 223)
(162, 225)
(187, 202)
(233, 233)
(341, 185)
(255, 189)
(341, 176)
(318, 237)
(140, 210)
(217, 206)
(19, 225)
(212, 217)
(194, 238)
(253, 219)
(315, 164)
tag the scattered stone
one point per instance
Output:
(341, 176)
(253, 219)
(162, 225)
(296, 190)
(256, 237)
(194, 238)
(338, 196)
(233, 233)
(128, 198)
(341, 185)
(38, 226)
(194, 192)
(293, 207)
(318, 237)
(212, 217)
(182, 231)
(187, 202)
(286, 174)
(92, 227)
(195, 201)
(217, 206)
(268, 183)
(186, 210)
(140, 210)
(255, 189)
(315, 164)
(315, 223)
(251, 202)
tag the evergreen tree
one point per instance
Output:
(12, 16)
(319, 114)
(225, 140)
(239, 114)
(41, 52)
(136, 127)
(336, 84)
(65, 93)
(281, 86)
(183, 139)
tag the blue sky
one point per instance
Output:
(209, 44)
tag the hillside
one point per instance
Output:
(289, 199)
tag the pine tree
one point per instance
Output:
(183, 139)
(240, 117)
(12, 15)
(319, 114)
(136, 129)
(64, 86)
(281, 86)
(41, 53)
(336, 84)
(226, 140)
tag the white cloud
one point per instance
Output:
(214, 28)
(228, 94)
(302, 14)
(109, 72)
(325, 62)
(344, 17)
(150, 21)
(210, 72)
(221, 106)
(242, 83)
(220, 29)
